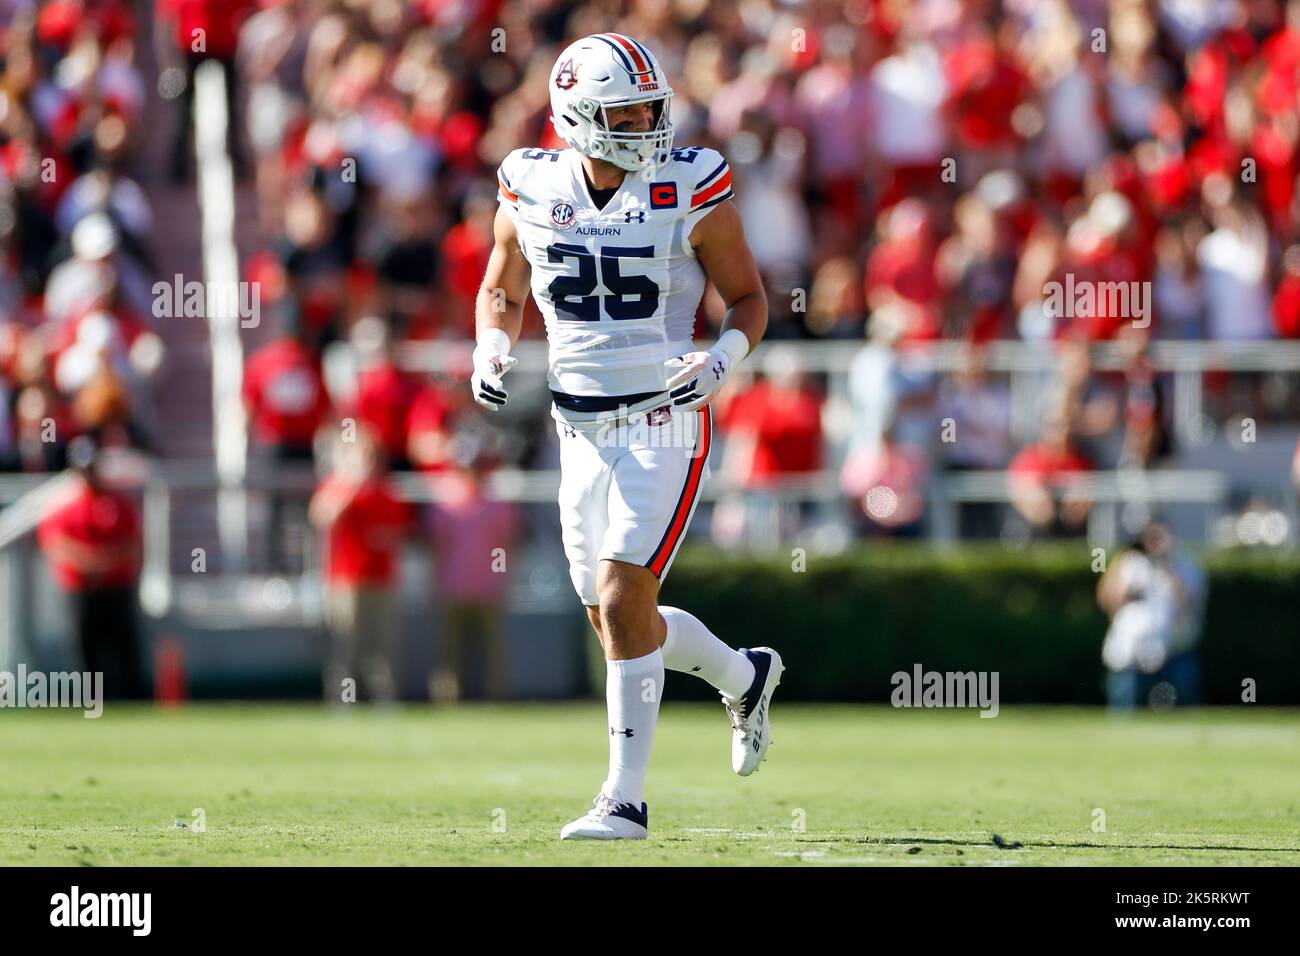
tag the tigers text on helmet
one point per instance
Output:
(601, 72)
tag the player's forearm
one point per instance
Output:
(500, 301)
(494, 310)
(747, 315)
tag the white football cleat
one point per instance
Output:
(751, 722)
(607, 820)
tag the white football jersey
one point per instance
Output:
(619, 286)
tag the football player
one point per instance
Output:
(616, 236)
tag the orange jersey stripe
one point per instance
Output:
(505, 191)
(704, 195)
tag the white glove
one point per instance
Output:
(492, 360)
(703, 374)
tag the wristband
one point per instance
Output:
(736, 344)
(494, 342)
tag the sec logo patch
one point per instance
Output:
(663, 195)
(562, 215)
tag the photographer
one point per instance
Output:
(1155, 596)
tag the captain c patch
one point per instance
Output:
(663, 195)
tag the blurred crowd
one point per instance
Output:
(945, 159)
(907, 172)
(78, 355)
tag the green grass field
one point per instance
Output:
(493, 785)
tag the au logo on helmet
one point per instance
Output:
(566, 78)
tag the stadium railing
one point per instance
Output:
(1028, 366)
(164, 484)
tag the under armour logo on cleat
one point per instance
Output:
(625, 733)
(570, 431)
(718, 369)
(696, 668)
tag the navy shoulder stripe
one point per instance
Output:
(712, 176)
(722, 197)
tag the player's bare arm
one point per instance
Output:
(499, 313)
(719, 244)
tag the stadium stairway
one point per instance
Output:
(183, 395)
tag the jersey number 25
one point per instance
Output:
(631, 297)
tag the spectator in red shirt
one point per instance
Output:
(60, 22)
(91, 537)
(1286, 301)
(284, 393)
(465, 251)
(773, 432)
(363, 524)
(985, 86)
(1039, 481)
(901, 269)
(428, 430)
(774, 429)
(285, 398)
(190, 32)
(384, 396)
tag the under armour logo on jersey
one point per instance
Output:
(719, 369)
(639, 213)
(570, 431)
(625, 733)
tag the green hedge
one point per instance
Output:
(847, 623)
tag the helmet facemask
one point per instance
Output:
(633, 151)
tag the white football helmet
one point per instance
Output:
(600, 72)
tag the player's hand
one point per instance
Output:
(698, 377)
(489, 366)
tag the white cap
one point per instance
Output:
(98, 330)
(1111, 212)
(94, 237)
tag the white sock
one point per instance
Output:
(692, 649)
(632, 691)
